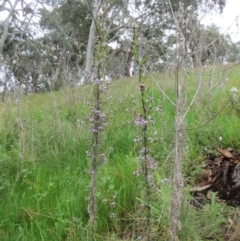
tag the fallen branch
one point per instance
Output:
(199, 189)
(225, 153)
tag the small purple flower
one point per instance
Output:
(158, 109)
(112, 204)
(98, 121)
(139, 121)
(104, 88)
(149, 177)
(151, 99)
(92, 130)
(91, 119)
(100, 128)
(152, 121)
(104, 200)
(136, 173)
(152, 163)
(91, 172)
(143, 151)
(104, 158)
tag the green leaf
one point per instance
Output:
(134, 50)
(96, 57)
(143, 61)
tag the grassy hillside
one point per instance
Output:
(44, 161)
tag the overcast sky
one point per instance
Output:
(227, 21)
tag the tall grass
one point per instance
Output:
(44, 198)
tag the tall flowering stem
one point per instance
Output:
(95, 127)
(142, 122)
(97, 124)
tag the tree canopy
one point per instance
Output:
(53, 51)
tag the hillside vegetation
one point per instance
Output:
(44, 161)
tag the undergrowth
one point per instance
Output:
(43, 196)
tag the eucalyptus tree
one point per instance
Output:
(11, 13)
(65, 29)
(160, 28)
(53, 56)
(4, 32)
(116, 15)
(17, 27)
(217, 47)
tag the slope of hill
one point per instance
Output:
(45, 148)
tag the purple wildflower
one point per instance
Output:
(139, 121)
(158, 109)
(112, 204)
(104, 200)
(91, 172)
(136, 173)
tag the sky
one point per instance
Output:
(227, 21)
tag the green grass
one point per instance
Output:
(44, 140)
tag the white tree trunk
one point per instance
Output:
(6, 24)
(91, 37)
(4, 35)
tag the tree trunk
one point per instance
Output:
(180, 146)
(4, 35)
(130, 55)
(91, 37)
(6, 26)
(177, 178)
(128, 64)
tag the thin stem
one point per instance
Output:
(145, 156)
